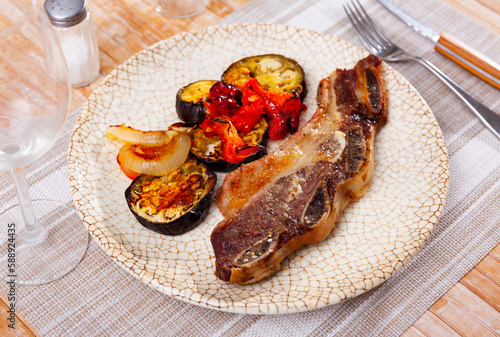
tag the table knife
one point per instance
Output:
(451, 47)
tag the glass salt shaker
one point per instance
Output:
(76, 32)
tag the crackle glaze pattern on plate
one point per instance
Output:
(376, 236)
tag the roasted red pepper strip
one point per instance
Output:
(254, 94)
(234, 149)
(247, 117)
(276, 121)
(226, 117)
(207, 126)
(292, 108)
(211, 110)
(223, 102)
(225, 99)
(289, 106)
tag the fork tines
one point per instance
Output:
(372, 36)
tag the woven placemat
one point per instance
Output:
(100, 299)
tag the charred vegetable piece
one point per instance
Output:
(282, 110)
(174, 203)
(208, 149)
(274, 73)
(234, 149)
(189, 101)
(224, 98)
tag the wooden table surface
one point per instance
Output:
(124, 27)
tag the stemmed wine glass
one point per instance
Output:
(42, 240)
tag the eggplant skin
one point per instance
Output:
(207, 149)
(175, 203)
(184, 224)
(273, 72)
(189, 101)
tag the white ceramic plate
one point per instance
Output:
(375, 237)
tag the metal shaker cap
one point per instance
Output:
(66, 13)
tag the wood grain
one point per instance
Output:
(412, 332)
(490, 267)
(475, 306)
(486, 12)
(483, 287)
(430, 325)
(124, 27)
(22, 328)
(458, 318)
(448, 44)
(495, 253)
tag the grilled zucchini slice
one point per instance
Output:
(274, 73)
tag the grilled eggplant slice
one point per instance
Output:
(174, 203)
(208, 149)
(274, 73)
(189, 101)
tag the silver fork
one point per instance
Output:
(378, 44)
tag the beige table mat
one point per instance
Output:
(100, 299)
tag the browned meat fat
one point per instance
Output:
(294, 195)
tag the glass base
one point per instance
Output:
(65, 245)
(180, 9)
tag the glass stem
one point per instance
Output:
(32, 233)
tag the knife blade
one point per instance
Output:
(451, 47)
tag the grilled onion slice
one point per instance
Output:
(155, 160)
(130, 135)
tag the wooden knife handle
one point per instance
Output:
(454, 49)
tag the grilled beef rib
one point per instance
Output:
(295, 195)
